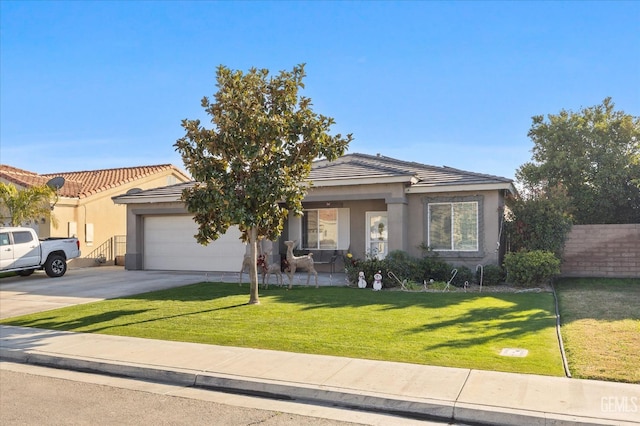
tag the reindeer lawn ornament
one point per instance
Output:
(267, 269)
(299, 262)
(246, 264)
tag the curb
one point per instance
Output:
(420, 409)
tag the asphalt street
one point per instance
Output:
(33, 395)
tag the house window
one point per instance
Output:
(453, 226)
(320, 229)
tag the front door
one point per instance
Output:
(377, 234)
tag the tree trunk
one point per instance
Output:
(253, 270)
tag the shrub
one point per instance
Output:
(463, 274)
(528, 268)
(433, 268)
(369, 266)
(491, 275)
(403, 266)
(540, 222)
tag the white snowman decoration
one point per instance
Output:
(362, 283)
(377, 281)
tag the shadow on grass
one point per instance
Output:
(49, 323)
(517, 315)
(90, 323)
(504, 322)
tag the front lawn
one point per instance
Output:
(601, 327)
(447, 329)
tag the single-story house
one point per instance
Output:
(84, 208)
(362, 204)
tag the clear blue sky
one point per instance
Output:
(91, 85)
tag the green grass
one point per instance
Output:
(601, 327)
(445, 329)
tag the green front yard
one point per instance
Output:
(466, 330)
(600, 324)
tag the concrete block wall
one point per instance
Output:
(611, 251)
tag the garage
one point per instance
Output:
(169, 245)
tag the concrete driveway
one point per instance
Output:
(37, 293)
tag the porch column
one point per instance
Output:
(397, 215)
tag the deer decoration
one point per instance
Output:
(246, 264)
(270, 268)
(299, 262)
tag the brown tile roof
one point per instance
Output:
(85, 183)
(21, 177)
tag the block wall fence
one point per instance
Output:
(608, 251)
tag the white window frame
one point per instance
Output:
(383, 237)
(335, 231)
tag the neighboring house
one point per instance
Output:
(363, 204)
(84, 208)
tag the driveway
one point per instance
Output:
(37, 293)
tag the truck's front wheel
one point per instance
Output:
(56, 266)
(25, 272)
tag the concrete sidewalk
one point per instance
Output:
(417, 391)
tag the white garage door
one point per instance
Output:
(169, 245)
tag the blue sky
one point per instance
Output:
(92, 85)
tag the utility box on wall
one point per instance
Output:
(88, 233)
(72, 229)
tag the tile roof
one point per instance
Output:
(21, 177)
(85, 183)
(354, 166)
(363, 166)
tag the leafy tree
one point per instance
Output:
(595, 156)
(25, 204)
(538, 221)
(252, 165)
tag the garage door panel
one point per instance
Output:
(169, 244)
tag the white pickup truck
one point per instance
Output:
(22, 252)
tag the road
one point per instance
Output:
(33, 395)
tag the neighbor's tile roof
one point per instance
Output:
(85, 183)
(21, 177)
(363, 165)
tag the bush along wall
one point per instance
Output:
(531, 268)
